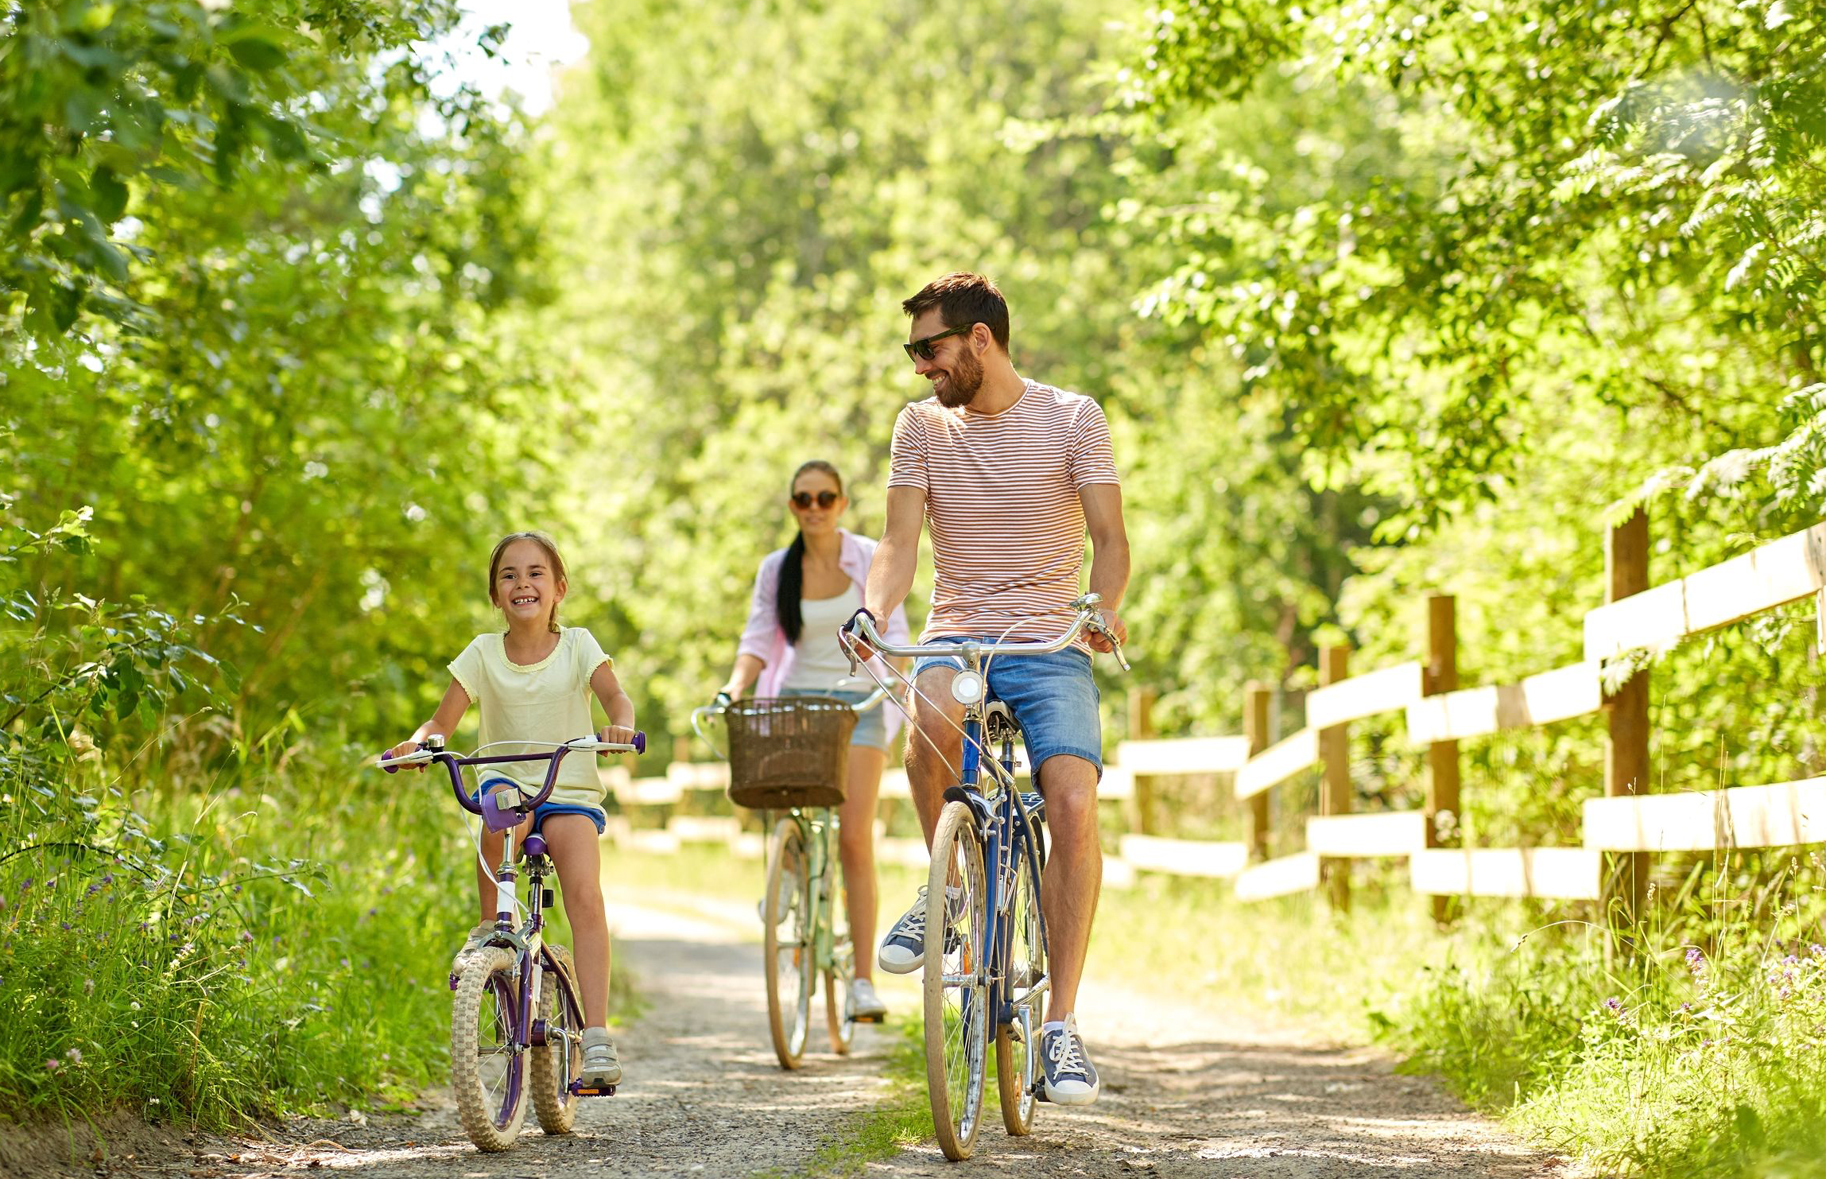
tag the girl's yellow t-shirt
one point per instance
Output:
(547, 701)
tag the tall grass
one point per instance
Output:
(279, 943)
(1700, 1053)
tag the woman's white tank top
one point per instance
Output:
(818, 662)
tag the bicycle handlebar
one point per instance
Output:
(1087, 619)
(432, 750)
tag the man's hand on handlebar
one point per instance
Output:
(1112, 622)
(850, 639)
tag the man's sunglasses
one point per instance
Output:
(803, 499)
(922, 349)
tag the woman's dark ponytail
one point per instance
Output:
(791, 589)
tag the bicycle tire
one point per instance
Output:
(840, 974)
(956, 999)
(788, 959)
(1017, 1059)
(487, 1073)
(560, 1059)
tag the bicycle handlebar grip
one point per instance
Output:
(386, 763)
(640, 741)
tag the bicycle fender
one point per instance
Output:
(979, 806)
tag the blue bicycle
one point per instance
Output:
(985, 934)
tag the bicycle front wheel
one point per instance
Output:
(786, 942)
(487, 1068)
(956, 1013)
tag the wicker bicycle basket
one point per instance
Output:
(788, 751)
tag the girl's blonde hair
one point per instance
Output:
(552, 554)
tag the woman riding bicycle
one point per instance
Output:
(802, 595)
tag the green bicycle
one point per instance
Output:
(788, 755)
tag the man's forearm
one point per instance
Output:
(890, 578)
(1110, 572)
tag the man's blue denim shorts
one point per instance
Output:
(1053, 698)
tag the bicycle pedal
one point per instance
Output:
(868, 1019)
(578, 1090)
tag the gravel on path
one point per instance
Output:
(1187, 1092)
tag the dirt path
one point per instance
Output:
(1185, 1093)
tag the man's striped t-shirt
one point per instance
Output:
(1002, 507)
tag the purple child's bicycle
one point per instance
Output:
(518, 1020)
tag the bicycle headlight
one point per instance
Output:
(967, 687)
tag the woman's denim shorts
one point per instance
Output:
(871, 727)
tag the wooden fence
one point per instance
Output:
(1620, 830)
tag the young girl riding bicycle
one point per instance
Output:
(533, 684)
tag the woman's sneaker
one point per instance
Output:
(601, 1067)
(1071, 1079)
(863, 1004)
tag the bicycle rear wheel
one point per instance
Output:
(956, 1009)
(841, 972)
(487, 1070)
(786, 942)
(560, 1059)
(1017, 1055)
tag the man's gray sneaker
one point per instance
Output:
(863, 1005)
(1071, 1079)
(601, 1067)
(904, 949)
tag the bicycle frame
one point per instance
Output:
(528, 940)
(1002, 819)
(1003, 824)
(818, 827)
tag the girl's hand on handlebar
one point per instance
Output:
(401, 750)
(616, 735)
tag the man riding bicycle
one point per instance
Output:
(1008, 475)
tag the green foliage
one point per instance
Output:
(99, 99)
(1515, 213)
(172, 935)
(307, 421)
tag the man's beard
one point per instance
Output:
(962, 382)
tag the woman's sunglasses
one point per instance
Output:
(923, 350)
(803, 499)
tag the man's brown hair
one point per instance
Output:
(962, 299)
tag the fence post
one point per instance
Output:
(1141, 727)
(1626, 765)
(1255, 727)
(1441, 676)
(1334, 790)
